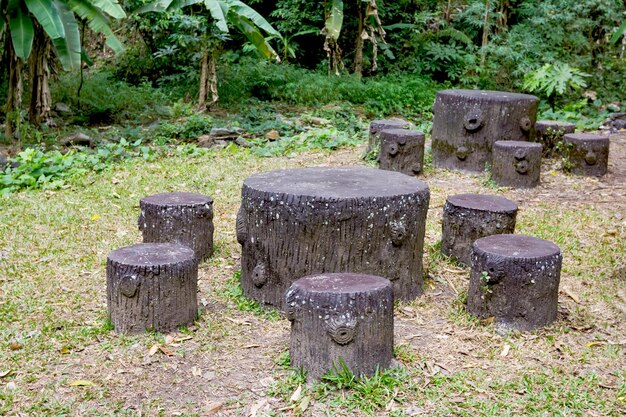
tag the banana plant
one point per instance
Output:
(31, 26)
(224, 13)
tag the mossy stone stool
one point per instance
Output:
(185, 218)
(467, 217)
(550, 133)
(152, 286)
(340, 317)
(515, 279)
(298, 222)
(588, 154)
(516, 163)
(377, 126)
(402, 150)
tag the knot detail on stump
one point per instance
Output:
(241, 226)
(525, 124)
(591, 158)
(417, 168)
(521, 166)
(128, 285)
(393, 149)
(341, 329)
(259, 275)
(462, 153)
(398, 232)
(473, 120)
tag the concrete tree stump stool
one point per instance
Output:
(550, 133)
(344, 316)
(588, 154)
(402, 150)
(466, 123)
(185, 218)
(152, 286)
(515, 279)
(468, 217)
(516, 164)
(298, 222)
(377, 126)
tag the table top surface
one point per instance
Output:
(337, 182)
(517, 246)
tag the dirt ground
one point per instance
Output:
(226, 364)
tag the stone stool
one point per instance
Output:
(376, 126)
(401, 150)
(587, 154)
(298, 222)
(516, 164)
(466, 123)
(550, 133)
(343, 316)
(184, 218)
(515, 278)
(467, 217)
(152, 286)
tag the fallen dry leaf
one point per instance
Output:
(296, 394)
(251, 346)
(571, 295)
(303, 405)
(5, 373)
(505, 350)
(213, 408)
(81, 383)
(195, 371)
(166, 351)
(153, 350)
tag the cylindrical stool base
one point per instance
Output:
(516, 163)
(587, 154)
(339, 319)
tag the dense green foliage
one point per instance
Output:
(569, 53)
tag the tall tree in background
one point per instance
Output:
(223, 13)
(40, 30)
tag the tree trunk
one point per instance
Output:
(40, 98)
(358, 49)
(485, 33)
(208, 81)
(14, 96)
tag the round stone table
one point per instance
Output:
(298, 222)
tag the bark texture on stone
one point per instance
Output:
(468, 217)
(587, 154)
(184, 218)
(402, 150)
(516, 164)
(299, 222)
(550, 133)
(466, 123)
(515, 279)
(376, 126)
(152, 286)
(340, 317)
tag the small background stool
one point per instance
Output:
(467, 217)
(550, 133)
(587, 154)
(152, 286)
(343, 315)
(376, 126)
(401, 150)
(516, 163)
(184, 218)
(515, 279)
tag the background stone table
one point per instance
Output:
(299, 222)
(466, 123)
